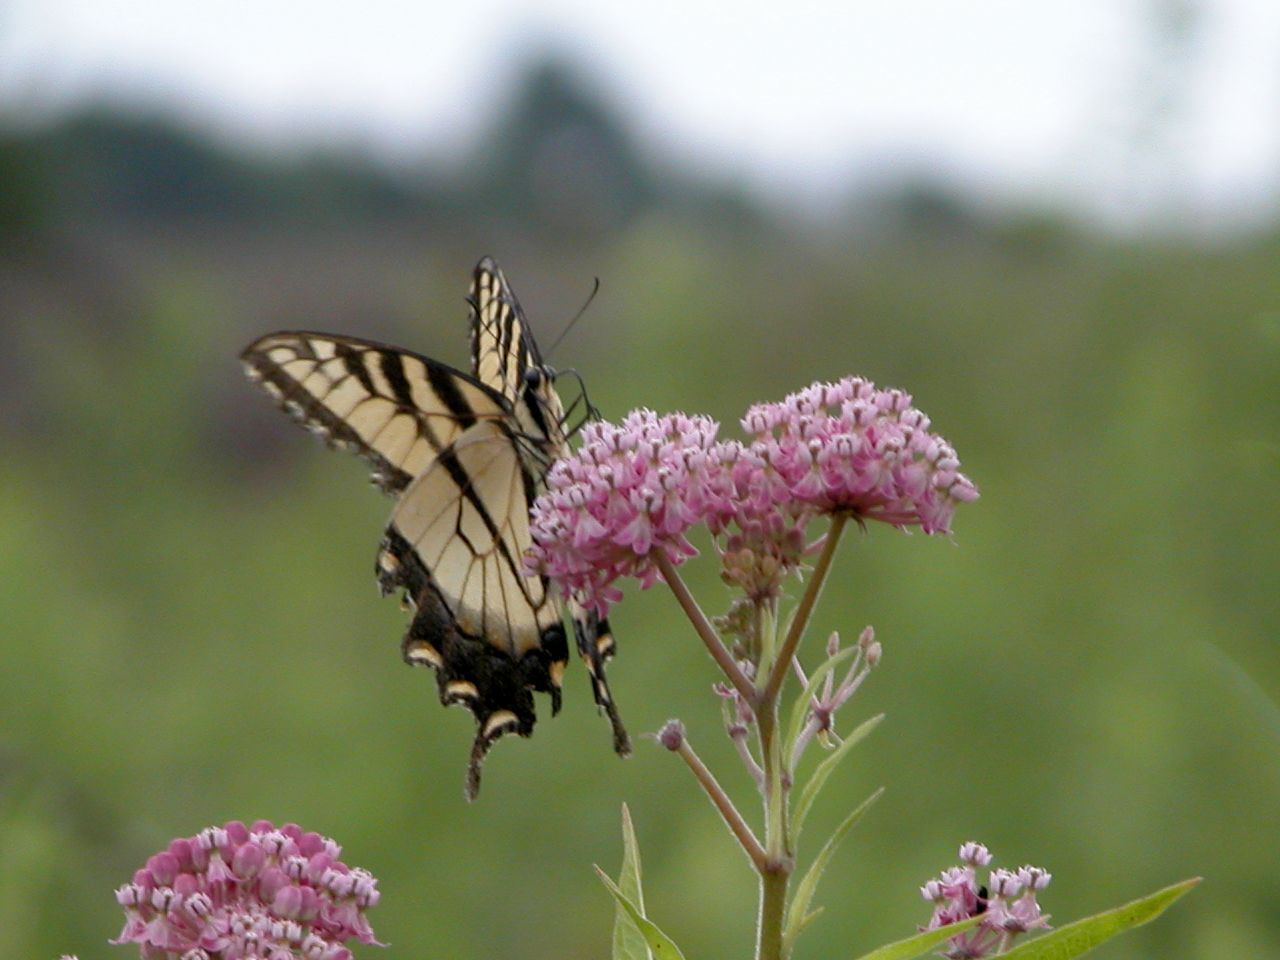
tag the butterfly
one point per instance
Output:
(466, 455)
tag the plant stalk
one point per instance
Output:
(775, 874)
(800, 621)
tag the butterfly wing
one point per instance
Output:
(395, 408)
(502, 347)
(467, 455)
(455, 544)
(503, 352)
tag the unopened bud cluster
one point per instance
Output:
(756, 558)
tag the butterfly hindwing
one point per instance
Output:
(455, 544)
(596, 646)
(467, 521)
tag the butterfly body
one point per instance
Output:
(466, 455)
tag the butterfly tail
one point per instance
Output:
(497, 689)
(596, 646)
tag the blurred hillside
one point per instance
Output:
(1086, 678)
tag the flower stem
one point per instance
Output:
(728, 812)
(773, 903)
(775, 872)
(704, 628)
(782, 663)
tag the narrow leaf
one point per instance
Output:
(809, 792)
(814, 914)
(662, 946)
(1080, 937)
(798, 911)
(628, 941)
(921, 943)
(801, 707)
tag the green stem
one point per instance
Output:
(800, 621)
(775, 872)
(773, 907)
(704, 628)
(779, 862)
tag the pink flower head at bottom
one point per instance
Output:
(238, 893)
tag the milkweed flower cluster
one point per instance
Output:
(636, 488)
(243, 893)
(850, 447)
(629, 490)
(1007, 903)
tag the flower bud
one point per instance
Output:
(671, 735)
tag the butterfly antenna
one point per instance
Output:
(595, 288)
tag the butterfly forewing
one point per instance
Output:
(396, 409)
(467, 455)
(502, 349)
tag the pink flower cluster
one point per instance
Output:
(628, 490)
(1007, 903)
(637, 488)
(248, 893)
(848, 447)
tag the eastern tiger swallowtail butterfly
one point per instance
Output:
(465, 454)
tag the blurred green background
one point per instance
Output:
(1085, 677)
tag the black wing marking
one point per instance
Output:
(395, 408)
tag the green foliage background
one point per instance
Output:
(1085, 677)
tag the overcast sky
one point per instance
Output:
(1034, 97)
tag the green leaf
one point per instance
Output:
(921, 943)
(809, 792)
(798, 912)
(662, 946)
(1082, 936)
(801, 707)
(813, 915)
(628, 941)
